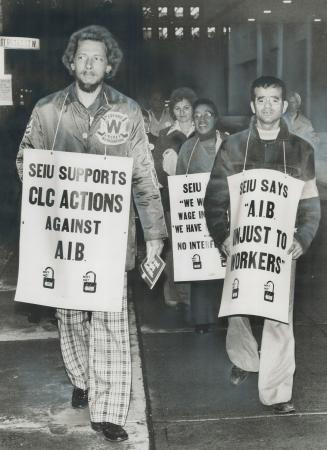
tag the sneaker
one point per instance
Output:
(80, 398)
(111, 431)
(238, 375)
(284, 408)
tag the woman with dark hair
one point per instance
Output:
(165, 156)
(197, 155)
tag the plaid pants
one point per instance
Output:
(96, 354)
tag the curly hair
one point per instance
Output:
(94, 33)
(179, 94)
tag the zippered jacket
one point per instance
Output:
(299, 162)
(113, 125)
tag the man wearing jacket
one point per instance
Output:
(89, 116)
(267, 144)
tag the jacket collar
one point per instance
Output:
(176, 127)
(283, 134)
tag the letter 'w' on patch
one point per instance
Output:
(113, 128)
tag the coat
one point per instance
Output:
(112, 125)
(263, 155)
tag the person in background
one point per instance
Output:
(165, 156)
(297, 123)
(159, 117)
(268, 144)
(197, 155)
(151, 137)
(95, 347)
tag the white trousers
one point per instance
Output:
(276, 363)
(96, 353)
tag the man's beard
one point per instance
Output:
(88, 87)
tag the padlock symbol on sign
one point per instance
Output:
(235, 288)
(197, 264)
(269, 291)
(48, 278)
(89, 282)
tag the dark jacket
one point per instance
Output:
(169, 138)
(78, 132)
(263, 155)
(197, 155)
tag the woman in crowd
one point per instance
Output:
(197, 155)
(165, 156)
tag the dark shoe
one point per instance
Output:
(111, 431)
(238, 375)
(96, 426)
(79, 398)
(202, 328)
(284, 408)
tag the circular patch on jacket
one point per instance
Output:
(113, 128)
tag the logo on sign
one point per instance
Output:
(235, 288)
(113, 128)
(196, 260)
(89, 282)
(48, 278)
(269, 291)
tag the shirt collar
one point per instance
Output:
(176, 127)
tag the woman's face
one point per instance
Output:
(204, 119)
(183, 111)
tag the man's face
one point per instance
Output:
(293, 105)
(90, 64)
(156, 101)
(268, 106)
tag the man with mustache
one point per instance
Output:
(89, 116)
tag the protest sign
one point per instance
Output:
(74, 227)
(5, 90)
(195, 254)
(263, 211)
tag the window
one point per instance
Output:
(211, 32)
(162, 11)
(179, 11)
(195, 12)
(147, 11)
(195, 32)
(147, 33)
(179, 32)
(163, 32)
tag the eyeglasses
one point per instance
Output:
(207, 115)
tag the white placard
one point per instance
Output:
(5, 90)
(19, 43)
(263, 211)
(74, 227)
(195, 254)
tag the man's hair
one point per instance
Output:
(296, 95)
(207, 102)
(268, 81)
(179, 94)
(94, 33)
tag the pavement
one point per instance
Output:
(181, 397)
